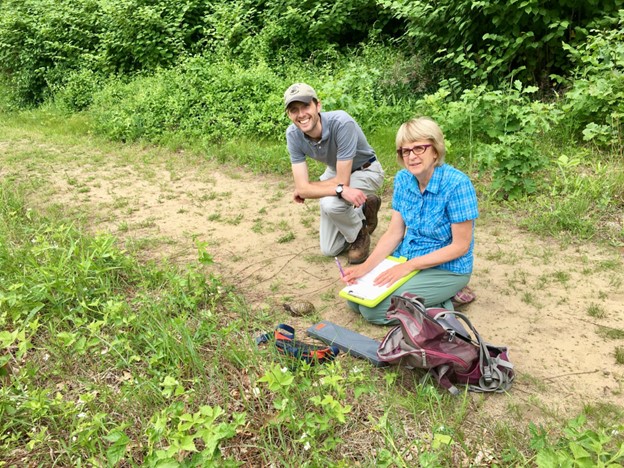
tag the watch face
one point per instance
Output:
(339, 189)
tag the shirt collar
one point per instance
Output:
(436, 180)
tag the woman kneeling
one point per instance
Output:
(434, 207)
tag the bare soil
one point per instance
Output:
(549, 303)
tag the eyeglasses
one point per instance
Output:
(404, 151)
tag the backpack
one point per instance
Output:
(284, 338)
(434, 339)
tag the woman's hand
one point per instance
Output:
(392, 275)
(353, 273)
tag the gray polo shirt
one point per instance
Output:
(342, 139)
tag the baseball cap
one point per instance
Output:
(299, 92)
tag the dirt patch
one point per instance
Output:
(551, 304)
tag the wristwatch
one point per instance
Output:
(339, 190)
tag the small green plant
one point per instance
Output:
(562, 276)
(611, 333)
(179, 432)
(203, 256)
(596, 311)
(258, 226)
(615, 281)
(321, 389)
(579, 446)
(619, 355)
(611, 264)
(288, 237)
(529, 299)
(212, 195)
(234, 220)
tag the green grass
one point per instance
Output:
(611, 333)
(108, 360)
(105, 358)
(594, 310)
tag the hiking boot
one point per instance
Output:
(371, 208)
(358, 252)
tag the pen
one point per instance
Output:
(342, 273)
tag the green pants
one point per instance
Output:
(434, 285)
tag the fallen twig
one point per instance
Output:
(572, 373)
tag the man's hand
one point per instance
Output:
(297, 198)
(354, 196)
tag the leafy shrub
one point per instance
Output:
(491, 40)
(579, 445)
(201, 100)
(290, 30)
(215, 101)
(360, 84)
(501, 129)
(41, 40)
(146, 34)
(79, 88)
(595, 102)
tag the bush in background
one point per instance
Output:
(42, 40)
(594, 103)
(201, 100)
(499, 130)
(492, 41)
(141, 35)
(215, 101)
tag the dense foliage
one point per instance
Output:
(489, 40)
(210, 72)
(41, 41)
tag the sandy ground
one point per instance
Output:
(533, 295)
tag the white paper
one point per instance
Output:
(364, 288)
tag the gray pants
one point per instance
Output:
(340, 221)
(435, 286)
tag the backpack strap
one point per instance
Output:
(441, 375)
(492, 379)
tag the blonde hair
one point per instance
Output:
(421, 128)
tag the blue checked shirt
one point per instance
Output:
(449, 198)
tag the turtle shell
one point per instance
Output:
(299, 308)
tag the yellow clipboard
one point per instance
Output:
(364, 292)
